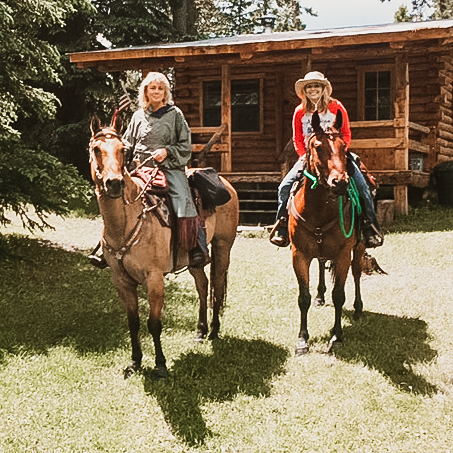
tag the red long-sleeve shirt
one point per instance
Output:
(302, 125)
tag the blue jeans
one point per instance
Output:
(285, 186)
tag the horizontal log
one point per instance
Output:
(372, 124)
(217, 148)
(419, 128)
(445, 135)
(269, 176)
(377, 143)
(416, 146)
(401, 177)
(446, 151)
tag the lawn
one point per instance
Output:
(64, 343)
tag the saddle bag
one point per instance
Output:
(154, 179)
(211, 189)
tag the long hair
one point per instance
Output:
(322, 105)
(157, 77)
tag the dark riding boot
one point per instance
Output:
(199, 255)
(279, 235)
(97, 260)
(372, 236)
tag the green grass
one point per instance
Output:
(64, 342)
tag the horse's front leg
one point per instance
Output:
(320, 297)
(127, 290)
(155, 289)
(301, 268)
(201, 283)
(356, 266)
(341, 268)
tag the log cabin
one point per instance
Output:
(237, 94)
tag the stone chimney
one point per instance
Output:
(268, 22)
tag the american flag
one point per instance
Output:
(125, 100)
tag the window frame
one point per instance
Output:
(361, 71)
(257, 77)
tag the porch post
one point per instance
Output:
(401, 108)
(226, 117)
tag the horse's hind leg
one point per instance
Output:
(221, 249)
(356, 265)
(201, 283)
(301, 268)
(320, 297)
(155, 289)
(128, 294)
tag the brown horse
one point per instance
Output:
(138, 248)
(321, 227)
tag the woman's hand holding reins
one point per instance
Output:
(160, 154)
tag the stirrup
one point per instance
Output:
(98, 261)
(280, 240)
(197, 258)
(373, 240)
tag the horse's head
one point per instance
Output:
(107, 157)
(326, 157)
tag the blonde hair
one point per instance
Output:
(322, 105)
(156, 77)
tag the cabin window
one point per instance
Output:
(245, 105)
(377, 96)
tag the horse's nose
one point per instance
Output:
(340, 186)
(114, 187)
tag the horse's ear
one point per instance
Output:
(95, 125)
(316, 122)
(338, 121)
(117, 123)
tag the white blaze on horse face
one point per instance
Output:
(109, 163)
(337, 164)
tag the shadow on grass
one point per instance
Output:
(235, 367)
(50, 296)
(391, 345)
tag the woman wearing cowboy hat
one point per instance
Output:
(315, 91)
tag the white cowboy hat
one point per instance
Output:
(312, 77)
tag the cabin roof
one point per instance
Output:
(264, 42)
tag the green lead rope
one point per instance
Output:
(354, 197)
(313, 179)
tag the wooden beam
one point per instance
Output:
(215, 148)
(370, 143)
(225, 165)
(268, 176)
(419, 147)
(401, 109)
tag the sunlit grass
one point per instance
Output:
(64, 343)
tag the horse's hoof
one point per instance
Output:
(130, 370)
(333, 341)
(318, 302)
(199, 338)
(213, 336)
(301, 348)
(159, 373)
(357, 315)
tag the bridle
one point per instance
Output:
(108, 135)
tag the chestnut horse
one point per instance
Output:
(322, 225)
(138, 248)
